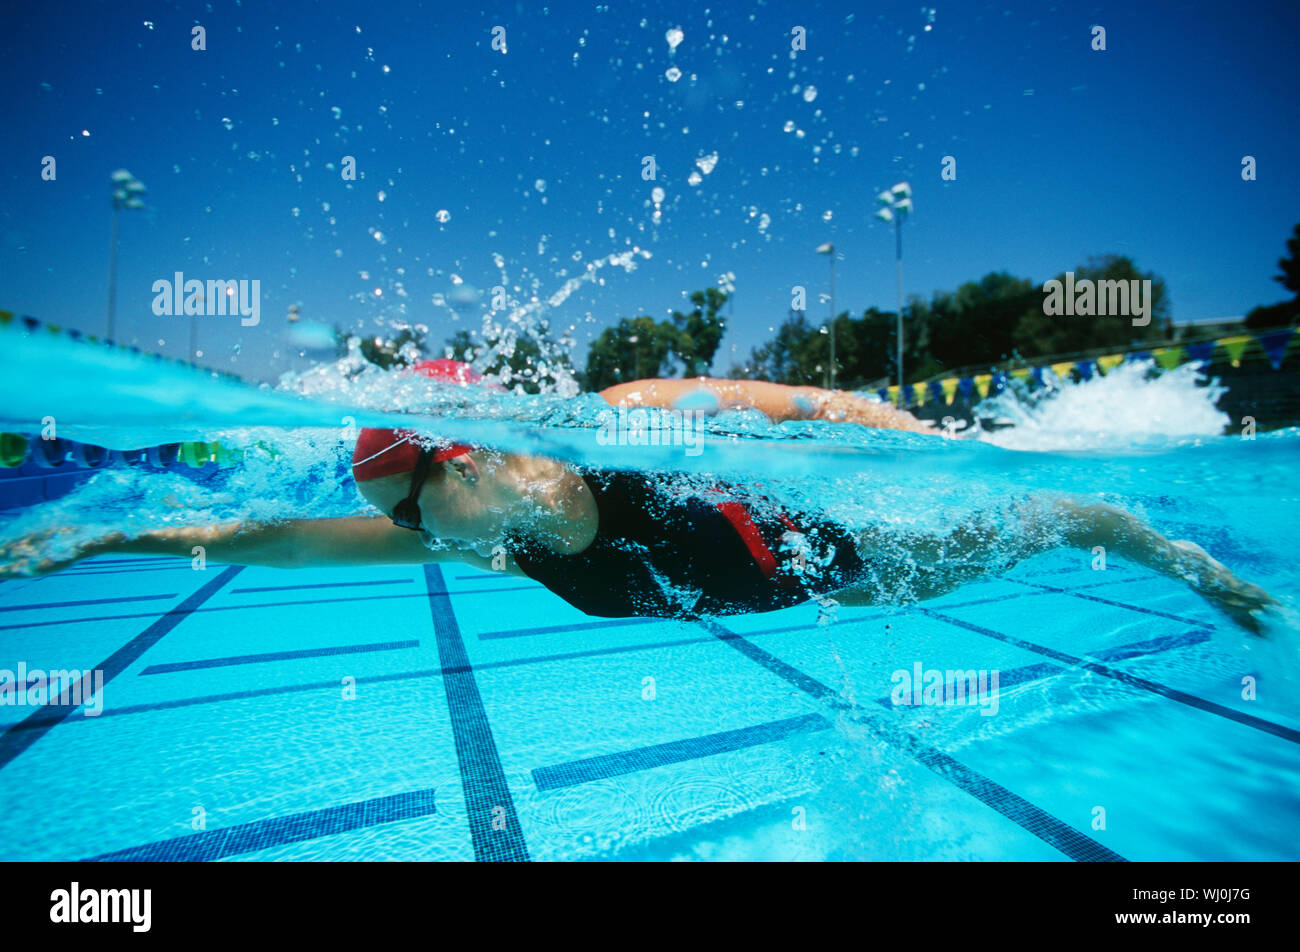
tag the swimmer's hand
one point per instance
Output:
(836, 406)
(29, 556)
(1241, 601)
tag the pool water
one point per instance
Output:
(437, 712)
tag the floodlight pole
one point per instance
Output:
(898, 257)
(112, 272)
(828, 249)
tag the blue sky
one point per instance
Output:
(1062, 152)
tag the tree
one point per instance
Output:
(784, 358)
(1038, 334)
(1287, 312)
(1290, 267)
(977, 323)
(700, 332)
(633, 349)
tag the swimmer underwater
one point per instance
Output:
(615, 544)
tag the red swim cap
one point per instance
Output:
(389, 452)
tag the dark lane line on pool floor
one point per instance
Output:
(1035, 820)
(250, 606)
(1154, 687)
(142, 560)
(1046, 669)
(301, 588)
(142, 569)
(488, 803)
(575, 772)
(268, 656)
(243, 838)
(42, 606)
(1074, 593)
(15, 740)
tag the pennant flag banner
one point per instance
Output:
(1235, 347)
(893, 395)
(982, 384)
(1021, 374)
(1169, 357)
(1275, 346)
(1201, 352)
(1109, 362)
(1062, 370)
(949, 388)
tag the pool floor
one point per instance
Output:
(437, 712)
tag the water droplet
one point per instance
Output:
(674, 37)
(809, 94)
(789, 125)
(540, 185)
(657, 195)
(228, 122)
(443, 215)
(673, 74)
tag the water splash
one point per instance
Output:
(1133, 404)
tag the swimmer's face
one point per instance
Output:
(452, 501)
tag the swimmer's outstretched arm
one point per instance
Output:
(778, 401)
(293, 543)
(928, 566)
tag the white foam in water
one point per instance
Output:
(1134, 405)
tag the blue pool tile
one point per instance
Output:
(1029, 817)
(16, 740)
(1153, 687)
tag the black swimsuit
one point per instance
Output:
(666, 554)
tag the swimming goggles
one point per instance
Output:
(406, 514)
